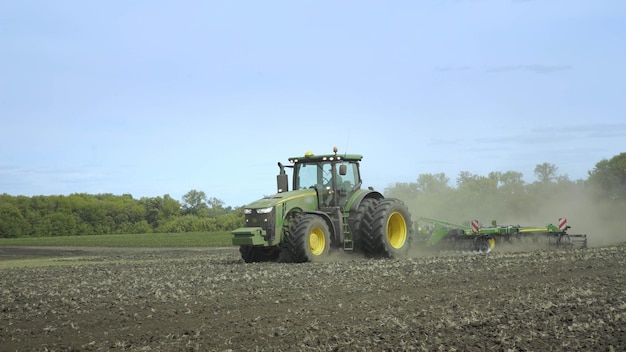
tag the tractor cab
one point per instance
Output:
(334, 177)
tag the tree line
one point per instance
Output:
(506, 197)
(498, 195)
(87, 214)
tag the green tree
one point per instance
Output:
(476, 183)
(55, 224)
(546, 172)
(12, 223)
(215, 207)
(184, 223)
(476, 196)
(170, 207)
(159, 210)
(194, 203)
(432, 183)
(428, 196)
(610, 177)
(402, 190)
(513, 194)
(231, 220)
(123, 210)
(134, 227)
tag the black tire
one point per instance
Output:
(285, 255)
(309, 239)
(360, 220)
(252, 254)
(484, 244)
(390, 230)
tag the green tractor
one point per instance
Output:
(326, 211)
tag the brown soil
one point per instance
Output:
(209, 300)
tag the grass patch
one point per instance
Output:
(41, 262)
(75, 261)
(145, 240)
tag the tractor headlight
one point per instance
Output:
(264, 210)
(247, 211)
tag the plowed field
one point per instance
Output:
(209, 300)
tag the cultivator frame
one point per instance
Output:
(553, 236)
(445, 236)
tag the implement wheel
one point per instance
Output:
(309, 239)
(484, 244)
(492, 242)
(390, 230)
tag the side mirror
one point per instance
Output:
(282, 183)
(282, 180)
(343, 169)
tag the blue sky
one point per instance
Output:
(161, 97)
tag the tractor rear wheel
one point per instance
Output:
(390, 230)
(309, 239)
(360, 220)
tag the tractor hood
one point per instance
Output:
(307, 195)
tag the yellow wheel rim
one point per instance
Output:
(396, 230)
(317, 241)
(492, 243)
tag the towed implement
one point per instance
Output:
(444, 236)
(550, 235)
(326, 210)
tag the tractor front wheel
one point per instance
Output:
(309, 239)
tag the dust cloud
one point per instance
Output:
(599, 220)
(602, 220)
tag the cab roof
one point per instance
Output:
(309, 157)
